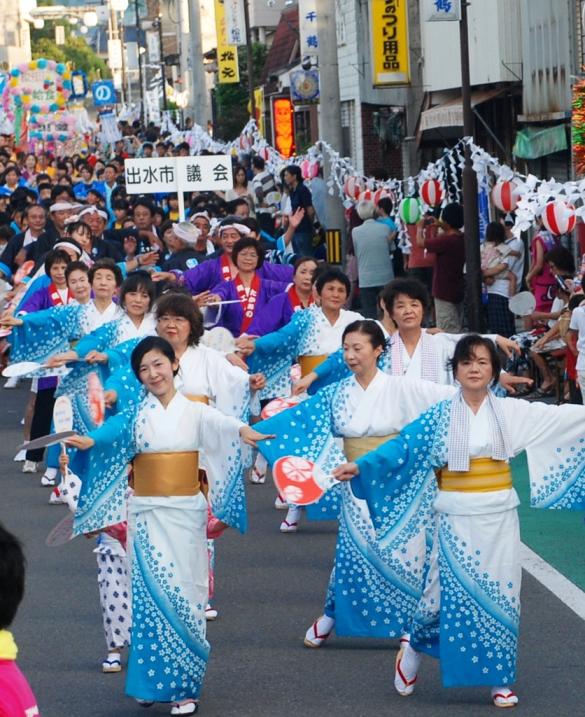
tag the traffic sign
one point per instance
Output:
(103, 93)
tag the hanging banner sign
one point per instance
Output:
(442, 10)
(308, 27)
(389, 42)
(178, 174)
(235, 22)
(227, 55)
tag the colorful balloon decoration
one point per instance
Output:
(40, 86)
(431, 192)
(409, 210)
(559, 217)
(505, 196)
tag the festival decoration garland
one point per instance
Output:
(56, 85)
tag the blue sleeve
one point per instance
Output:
(98, 340)
(330, 371)
(45, 333)
(119, 356)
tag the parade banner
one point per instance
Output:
(228, 69)
(389, 42)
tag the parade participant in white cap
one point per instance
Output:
(181, 240)
(202, 221)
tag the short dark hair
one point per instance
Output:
(465, 350)
(108, 264)
(248, 243)
(142, 202)
(329, 275)
(12, 565)
(56, 256)
(258, 162)
(562, 259)
(178, 304)
(452, 215)
(369, 328)
(75, 266)
(386, 204)
(62, 189)
(413, 288)
(295, 171)
(138, 280)
(495, 232)
(303, 260)
(150, 343)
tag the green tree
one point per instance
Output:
(231, 100)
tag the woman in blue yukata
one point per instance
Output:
(167, 519)
(470, 608)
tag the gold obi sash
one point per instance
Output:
(355, 448)
(484, 476)
(310, 363)
(197, 398)
(166, 474)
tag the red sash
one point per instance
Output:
(295, 302)
(55, 296)
(248, 301)
(224, 265)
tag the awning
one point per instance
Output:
(535, 142)
(450, 113)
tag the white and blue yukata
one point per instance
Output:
(167, 543)
(470, 608)
(371, 592)
(309, 333)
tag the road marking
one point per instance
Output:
(565, 590)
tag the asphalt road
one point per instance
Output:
(269, 588)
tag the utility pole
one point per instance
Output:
(183, 44)
(469, 181)
(140, 72)
(198, 99)
(157, 24)
(329, 101)
(249, 59)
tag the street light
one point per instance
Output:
(90, 18)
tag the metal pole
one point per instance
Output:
(162, 64)
(249, 60)
(140, 73)
(469, 181)
(329, 102)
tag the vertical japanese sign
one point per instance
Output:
(442, 10)
(235, 22)
(308, 27)
(389, 41)
(283, 124)
(227, 55)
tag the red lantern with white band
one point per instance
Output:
(431, 192)
(353, 187)
(559, 217)
(309, 169)
(505, 196)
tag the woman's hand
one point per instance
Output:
(96, 357)
(63, 462)
(303, 384)
(205, 298)
(250, 436)
(82, 443)
(346, 471)
(508, 346)
(245, 345)
(164, 276)
(61, 359)
(110, 398)
(238, 361)
(257, 381)
(8, 320)
(509, 382)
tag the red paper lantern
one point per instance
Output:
(431, 192)
(353, 187)
(505, 196)
(366, 196)
(309, 169)
(559, 217)
(264, 152)
(381, 194)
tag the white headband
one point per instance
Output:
(241, 228)
(187, 232)
(93, 210)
